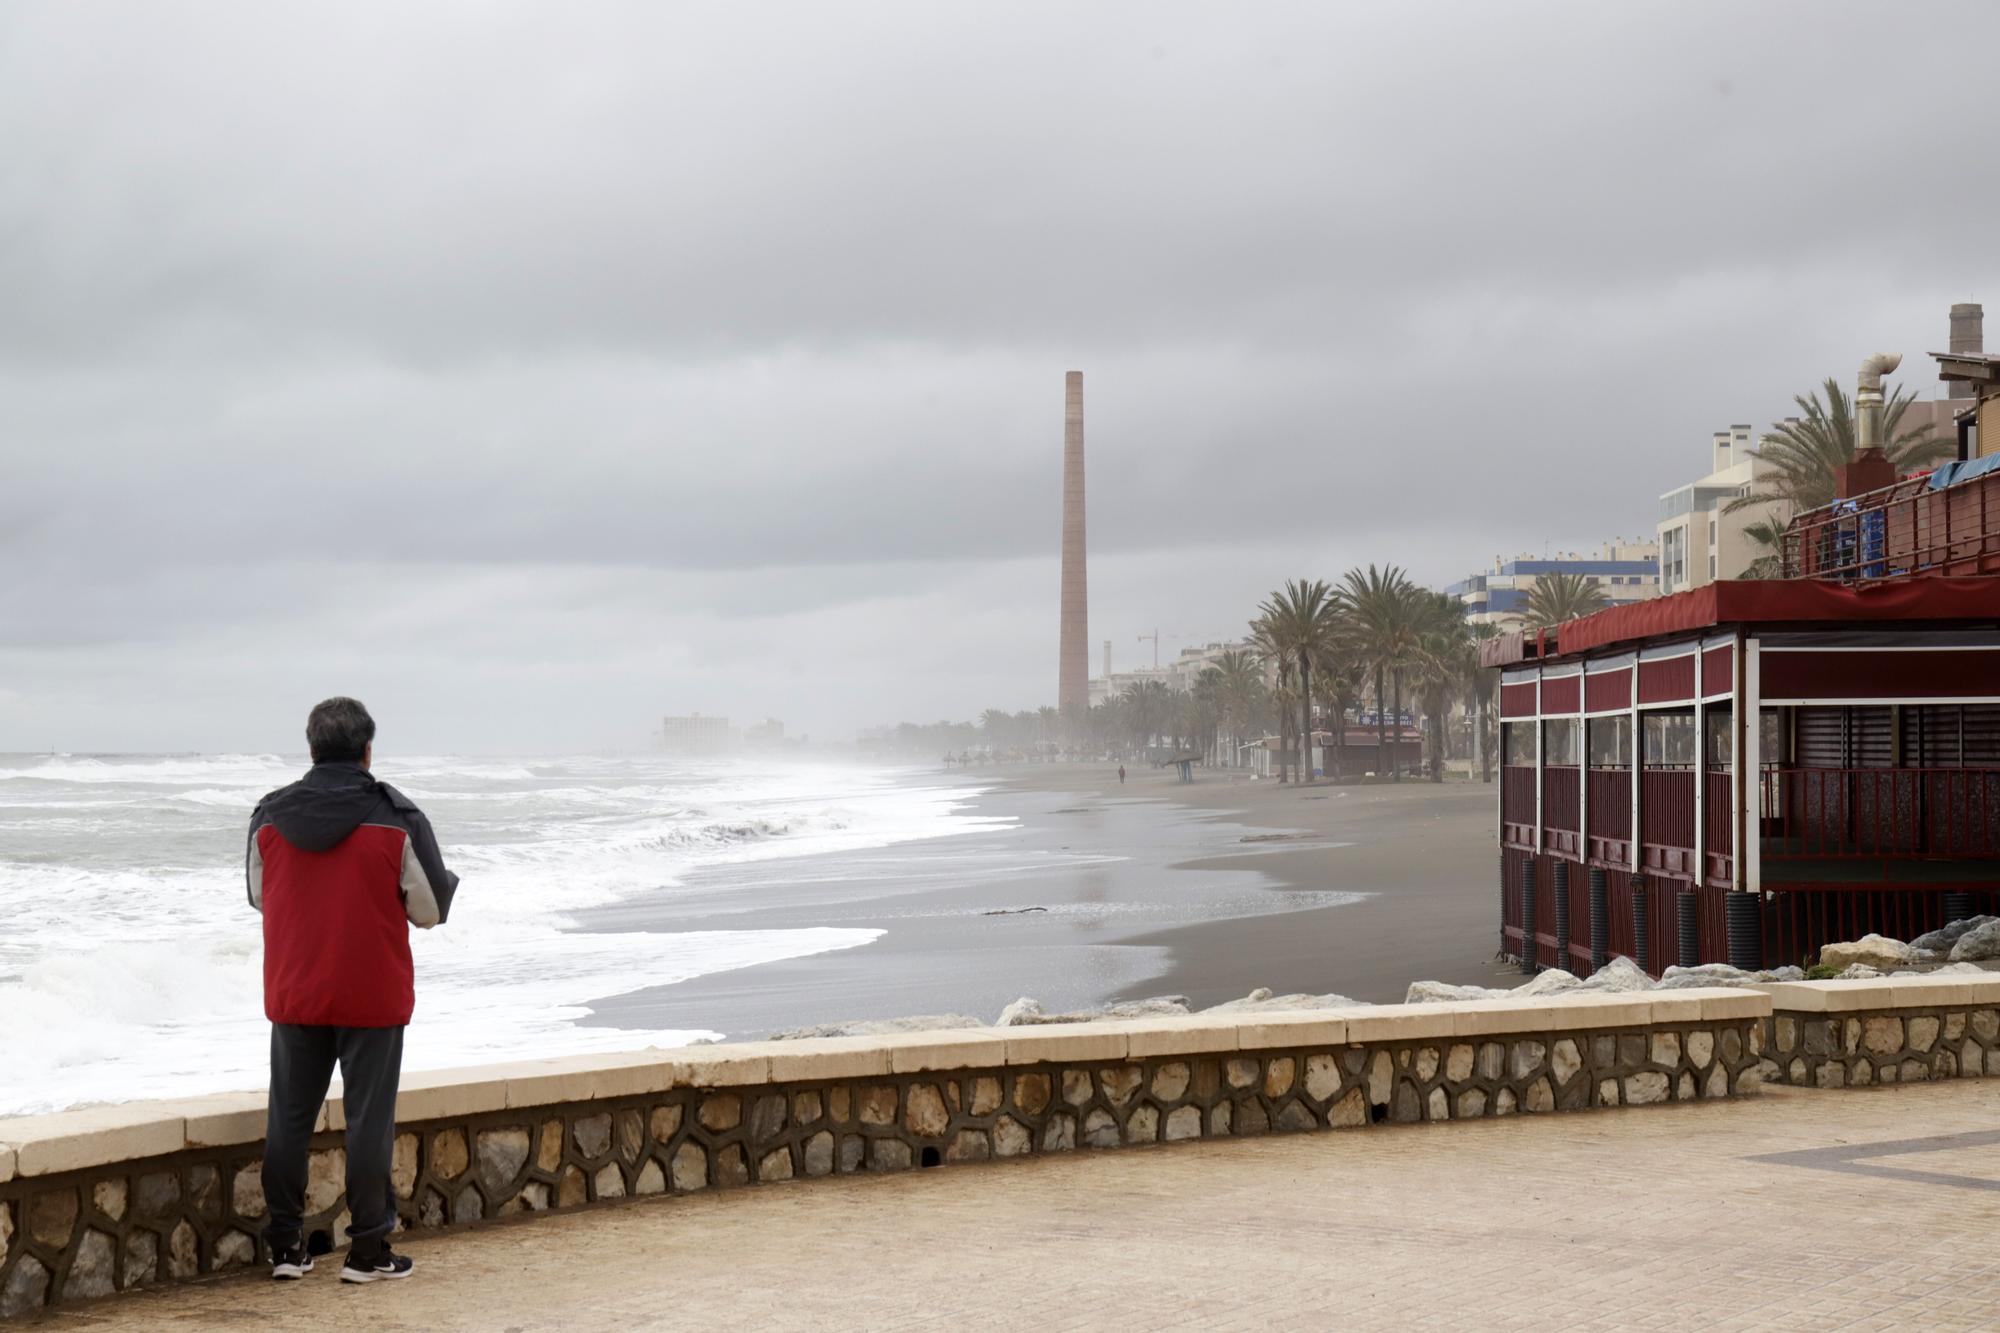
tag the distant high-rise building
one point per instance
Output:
(1624, 572)
(1073, 652)
(694, 734)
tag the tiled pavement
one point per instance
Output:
(1758, 1214)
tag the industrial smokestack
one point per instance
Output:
(1073, 652)
(1107, 659)
(1968, 337)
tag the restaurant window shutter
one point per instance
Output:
(1980, 730)
(1871, 738)
(1932, 736)
(1821, 737)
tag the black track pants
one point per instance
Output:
(302, 1061)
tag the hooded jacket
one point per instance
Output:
(341, 866)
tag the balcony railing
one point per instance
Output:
(1837, 814)
(1899, 531)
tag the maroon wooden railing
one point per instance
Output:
(1719, 846)
(1797, 922)
(1609, 838)
(1562, 791)
(1666, 821)
(1517, 806)
(1899, 531)
(1881, 813)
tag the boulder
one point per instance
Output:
(1619, 975)
(1439, 992)
(1858, 972)
(878, 1027)
(1262, 1001)
(1722, 974)
(1554, 981)
(1947, 935)
(1028, 1013)
(1876, 951)
(1979, 943)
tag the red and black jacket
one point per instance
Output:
(341, 866)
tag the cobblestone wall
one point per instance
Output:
(1900, 1046)
(90, 1233)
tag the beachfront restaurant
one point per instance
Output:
(1746, 771)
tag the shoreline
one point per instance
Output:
(1421, 854)
(1097, 893)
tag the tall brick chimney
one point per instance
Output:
(1073, 652)
(1968, 335)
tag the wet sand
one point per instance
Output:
(1094, 893)
(1423, 854)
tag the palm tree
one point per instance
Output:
(994, 724)
(1048, 725)
(1240, 690)
(1479, 685)
(1379, 623)
(1444, 650)
(1805, 453)
(1264, 639)
(1300, 620)
(1769, 535)
(1340, 681)
(1149, 708)
(1562, 596)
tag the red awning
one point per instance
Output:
(1782, 601)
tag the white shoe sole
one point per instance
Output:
(359, 1275)
(291, 1272)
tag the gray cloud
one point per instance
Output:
(649, 357)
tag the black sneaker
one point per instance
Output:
(384, 1266)
(289, 1263)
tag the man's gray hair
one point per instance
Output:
(339, 729)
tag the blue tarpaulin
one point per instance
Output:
(1950, 474)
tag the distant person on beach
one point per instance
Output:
(1121, 775)
(337, 863)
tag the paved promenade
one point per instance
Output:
(1852, 1210)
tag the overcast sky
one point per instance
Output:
(534, 370)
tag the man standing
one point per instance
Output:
(337, 863)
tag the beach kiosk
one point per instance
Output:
(1743, 772)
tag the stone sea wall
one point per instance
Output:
(1893, 1030)
(88, 1209)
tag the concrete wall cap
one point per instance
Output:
(223, 1119)
(1729, 1002)
(1400, 1022)
(1197, 1034)
(590, 1077)
(1576, 1013)
(1492, 1018)
(826, 1058)
(952, 1048)
(72, 1140)
(1928, 991)
(6, 1162)
(725, 1066)
(1828, 997)
(1061, 1043)
(1681, 1006)
(1302, 1027)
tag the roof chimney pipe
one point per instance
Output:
(1870, 468)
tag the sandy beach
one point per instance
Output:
(1098, 892)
